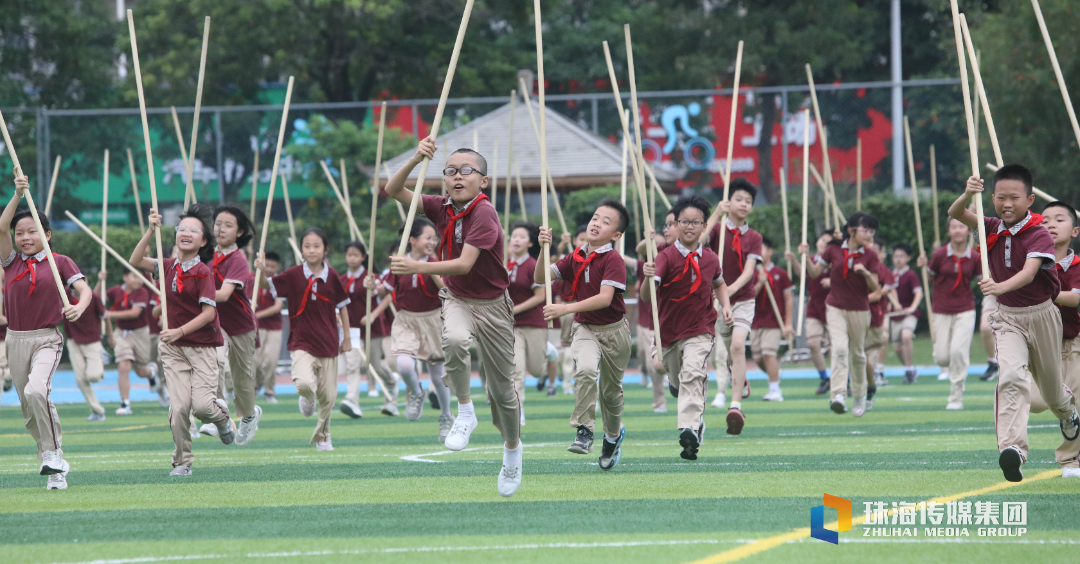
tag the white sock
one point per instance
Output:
(466, 409)
(512, 457)
(407, 368)
(736, 405)
(991, 360)
(774, 386)
(436, 371)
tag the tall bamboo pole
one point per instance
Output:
(371, 233)
(135, 191)
(805, 214)
(190, 188)
(273, 178)
(52, 187)
(918, 225)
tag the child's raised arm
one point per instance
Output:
(395, 185)
(958, 210)
(138, 256)
(6, 246)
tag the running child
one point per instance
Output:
(902, 324)
(817, 291)
(530, 328)
(475, 305)
(688, 275)
(84, 350)
(356, 285)
(646, 337)
(766, 332)
(875, 336)
(188, 346)
(268, 318)
(1027, 325)
(131, 339)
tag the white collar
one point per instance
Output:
(900, 273)
(1016, 228)
(520, 259)
(607, 247)
(349, 273)
(1066, 262)
(39, 256)
(322, 275)
(742, 228)
(844, 245)
(685, 251)
(421, 259)
(450, 202)
(188, 265)
(949, 252)
(227, 250)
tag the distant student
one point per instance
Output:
(84, 350)
(953, 268)
(561, 289)
(875, 336)
(740, 257)
(902, 324)
(530, 327)
(476, 308)
(767, 330)
(646, 338)
(1027, 325)
(188, 346)
(131, 340)
(688, 275)
(268, 317)
(601, 335)
(853, 277)
(817, 291)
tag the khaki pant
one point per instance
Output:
(847, 331)
(225, 380)
(688, 358)
(764, 342)
(240, 363)
(356, 364)
(316, 379)
(33, 356)
(133, 345)
(530, 356)
(952, 349)
(417, 335)
(266, 359)
(817, 334)
(875, 351)
(5, 371)
(743, 313)
(1066, 454)
(1028, 340)
(602, 353)
(89, 369)
(491, 324)
(645, 343)
(897, 326)
(191, 374)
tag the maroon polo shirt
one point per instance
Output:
(1012, 248)
(353, 283)
(87, 328)
(906, 284)
(740, 244)
(480, 228)
(236, 314)
(267, 301)
(848, 292)
(152, 321)
(313, 330)
(606, 268)
(185, 304)
(764, 316)
(41, 308)
(953, 275)
(693, 314)
(521, 288)
(121, 300)
(877, 309)
(1068, 271)
(817, 294)
(416, 293)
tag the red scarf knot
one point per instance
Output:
(579, 258)
(690, 263)
(847, 256)
(181, 276)
(447, 239)
(123, 302)
(308, 292)
(1034, 221)
(959, 271)
(32, 271)
(736, 243)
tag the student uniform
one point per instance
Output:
(600, 340)
(906, 284)
(767, 329)
(530, 329)
(270, 331)
(646, 338)
(954, 313)
(875, 335)
(476, 307)
(816, 292)
(847, 313)
(84, 349)
(355, 361)
(132, 335)
(313, 335)
(740, 245)
(238, 325)
(1027, 329)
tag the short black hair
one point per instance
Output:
(829, 232)
(534, 235)
(243, 223)
(318, 233)
(580, 229)
(624, 216)
(480, 160)
(1060, 204)
(419, 223)
(25, 213)
(692, 201)
(743, 184)
(766, 242)
(1015, 172)
(271, 255)
(857, 220)
(203, 213)
(358, 246)
(904, 247)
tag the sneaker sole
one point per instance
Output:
(578, 450)
(688, 440)
(735, 422)
(348, 410)
(49, 470)
(1011, 465)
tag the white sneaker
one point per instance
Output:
(373, 392)
(194, 432)
(838, 404)
(720, 401)
(124, 409)
(248, 427)
(182, 470)
(351, 409)
(52, 463)
(307, 407)
(414, 409)
(270, 398)
(944, 375)
(57, 482)
(954, 406)
(661, 409)
(510, 476)
(390, 409)
(446, 422)
(163, 395)
(209, 429)
(1070, 472)
(858, 407)
(324, 446)
(773, 395)
(463, 427)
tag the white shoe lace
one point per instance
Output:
(459, 428)
(509, 473)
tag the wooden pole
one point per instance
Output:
(123, 261)
(858, 174)
(190, 188)
(622, 192)
(824, 137)
(135, 191)
(104, 217)
(288, 213)
(656, 186)
(1057, 71)
(353, 229)
(52, 187)
(980, 93)
(510, 167)
(419, 188)
(295, 248)
(495, 175)
(545, 248)
(254, 183)
(521, 193)
(150, 172)
(772, 297)
(933, 195)
(784, 210)
(825, 194)
(371, 233)
(730, 148)
(273, 179)
(837, 214)
(536, 134)
(972, 147)
(918, 224)
(830, 204)
(558, 205)
(805, 210)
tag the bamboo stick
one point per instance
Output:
(288, 213)
(353, 229)
(805, 214)
(858, 174)
(521, 193)
(730, 148)
(123, 261)
(772, 297)
(495, 175)
(918, 225)
(933, 195)
(980, 93)
(254, 183)
(1057, 70)
(189, 188)
(558, 205)
(827, 164)
(622, 192)
(656, 186)
(135, 191)
(104, 218)
(784, 210)
(371, 233)
(273, 179)
(198, 108)
(545, 248)
(510, 167)
(52, 187)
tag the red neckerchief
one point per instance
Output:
(510, 266)
(352, 280)
(848, 255)
(772, 285)
(690, 262)
(181, 276)
(736, 243)
(30, 262)
(1075, 261)
(577, 276)
(423, 286)
(959, 273)
(448, 234)
(123, 302)
(218, 259)
(307, 293)
(992, 238)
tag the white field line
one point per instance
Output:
(422, 457)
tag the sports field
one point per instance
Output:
(390, 493)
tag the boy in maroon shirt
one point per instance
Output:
(687, 276)
(475, 305)
(767, 332)
(1062, 223)
(601, 335)
(952, 269)
(131, 341)
(1027, 325)
(84, 350)
(902, 323)
(645, 335)
(741, 255)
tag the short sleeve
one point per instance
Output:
(432, 205)
(785, 282)
(914, 280)
(140, 297)
(281, 286)
(753, 250)
(1042, 246)
(337, 292)
(934, 266)
(206, 289)
(69, 273)
(826, 258)
(614, 272)
(976, 272)
(562, 269)
(662, 264)
(235, 271)
(872, 261)
(484, 229)
(885, 276)
(99, 306)
(110, 295)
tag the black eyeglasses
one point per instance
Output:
(465, 171)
